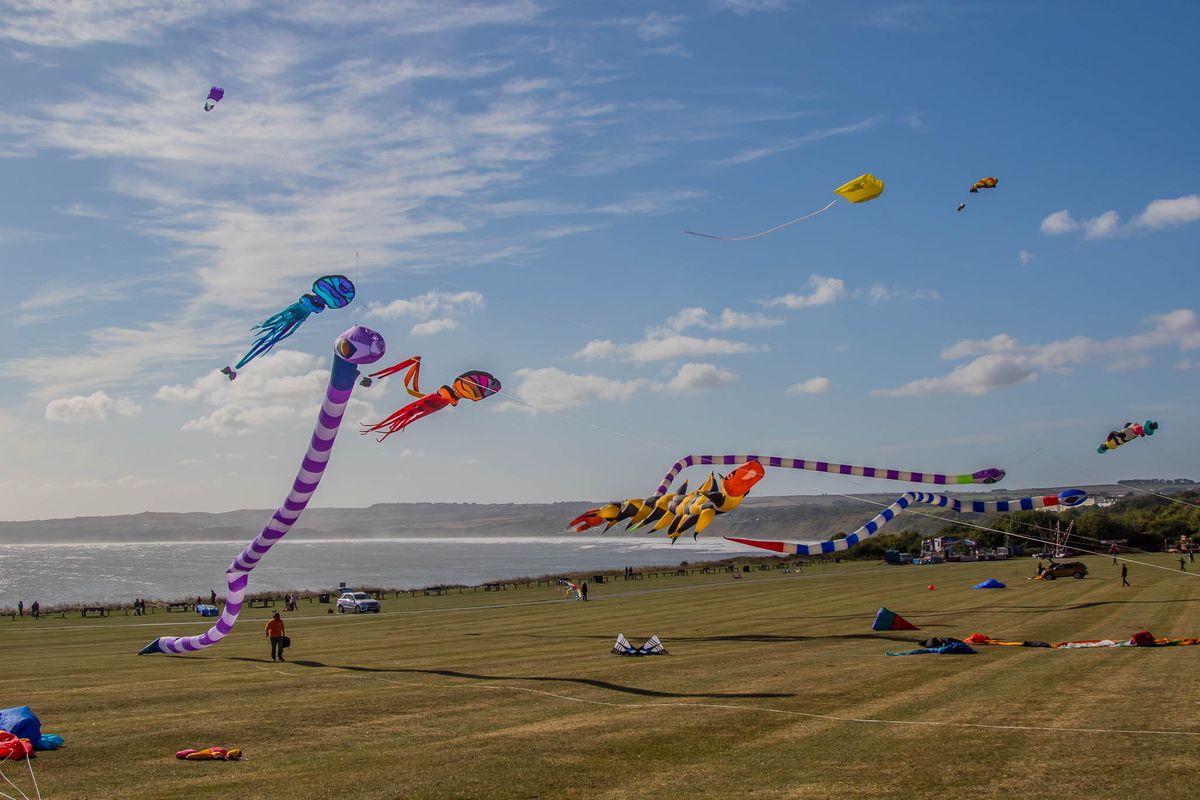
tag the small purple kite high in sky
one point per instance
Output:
(214, 96)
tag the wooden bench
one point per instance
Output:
(260, 602)
(178, 607)
(100, 611)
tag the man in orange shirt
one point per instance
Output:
(275, 634)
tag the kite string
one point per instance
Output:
(37, 791)
(832, 203)
(13, 785)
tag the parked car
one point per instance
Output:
(1073, 569)
(357, 602)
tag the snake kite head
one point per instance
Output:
(1072, 497)
(989, 475)
(739, 482)
(360, 345)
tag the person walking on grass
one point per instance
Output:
(1124, 575)
(1182, 565)
(20, 608)
(275, 632)
(35, 609)
(583, 591)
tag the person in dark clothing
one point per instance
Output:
(20, 608)
(1124, 575)
(1182, 565)
(1114, 550)
(583, 591)
(35, 609)
(275, 632)
(212, 597)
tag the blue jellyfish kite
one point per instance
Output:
(328, 291)
(215, 94)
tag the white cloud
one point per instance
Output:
(1059, 222)
(425, 306)
(1025, 257)
(282, 388)
(433, 326)
(750, 6)
(1103, 226)
(90, 408)
(1156, 216)
(727, 320)
(693, 377)
(878, 294)
(50, 23)
(552, 389)
(662, 348)
(824, 291)
(817, 385)
(1169, 213)
(1004, 361)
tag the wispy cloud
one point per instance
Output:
(1024, 257)
(1003, 361)
(750, 6)
(755, 153)
(817, 385)
(1158, 215)
(282, 389)
(550, 389)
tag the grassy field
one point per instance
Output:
(775, 687)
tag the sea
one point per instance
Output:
(119, 572)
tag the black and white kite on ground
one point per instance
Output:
(652, 647)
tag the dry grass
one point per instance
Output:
(775, 687)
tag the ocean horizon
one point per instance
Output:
(118, 572)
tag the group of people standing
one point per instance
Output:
(35, 609)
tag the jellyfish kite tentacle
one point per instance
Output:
(989, 475)
(474, 385)
(356, 346)
(1066, 498)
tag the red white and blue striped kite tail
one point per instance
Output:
(1067, 497)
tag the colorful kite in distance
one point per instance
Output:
(570, 590)
(1131, 431)
(863, 188)
(214, 96)
(329, 291)
(985, 183)
(474, 386)
(1065, 498)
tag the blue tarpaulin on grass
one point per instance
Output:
(990, 583)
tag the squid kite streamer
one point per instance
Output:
(356, 346)
(570, 590)
(328, 291)
(1066, 498)
(863, 188)
(214, 96)
(1131, 431)
(474, 385)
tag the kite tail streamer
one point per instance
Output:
(274, 330)
(356, 346)
(1067, 497)
(763, 233)
(402, 418)
(990, 475)
(412, 378)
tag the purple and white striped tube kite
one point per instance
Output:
(356, 346)
(990, 475)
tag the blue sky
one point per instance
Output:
(507, 182)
